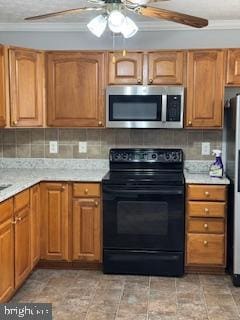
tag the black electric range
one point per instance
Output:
(143, 212)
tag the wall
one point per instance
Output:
(26, 143)
(166, 39)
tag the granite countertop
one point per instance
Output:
(21, 179)
(203, 178)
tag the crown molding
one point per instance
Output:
(143, 26)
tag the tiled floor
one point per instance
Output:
(90, 295)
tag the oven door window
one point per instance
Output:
(135, 108)
(142, 218)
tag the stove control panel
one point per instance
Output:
(146, 155)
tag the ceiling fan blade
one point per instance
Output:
(61, 13)
(172, 16)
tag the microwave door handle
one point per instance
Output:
(164, 108)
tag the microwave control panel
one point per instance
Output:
(173, 108)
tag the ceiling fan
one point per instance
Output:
(114, 14)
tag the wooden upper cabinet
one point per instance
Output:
(126, 69)
(3, 82)
(233, 67)
(166, 67)
(35, 224)
(54, 221)
(205, 88)
(75, 89)
(6, 250)
(26, 87)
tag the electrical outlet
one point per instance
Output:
(82, 147)
(205, 148)
(53, 147)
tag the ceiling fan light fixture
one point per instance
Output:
(115, 21)
(129, 28)
(98, 25)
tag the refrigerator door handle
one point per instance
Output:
(238, 189)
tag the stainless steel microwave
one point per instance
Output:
(144, 106)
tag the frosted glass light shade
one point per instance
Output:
(115, 21)
(97, 25)
(140, 2)
(129, 28)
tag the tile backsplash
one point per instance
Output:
(34, 143)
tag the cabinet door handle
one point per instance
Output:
(139, 81)
(205, 225)
(86, 191)
(205, 242)
(15, 122)
(63, 188)
(14, 222)
(18, 219)
(100, 123)
(96, 203)
(150, 81)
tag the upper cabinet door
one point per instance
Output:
(3, 81)
(75, 89)
(166, 67)
(205, 89)
(126, 69)
(233, 67)
(26, 87)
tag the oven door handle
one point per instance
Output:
(145, 191)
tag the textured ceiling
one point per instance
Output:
(14, 11)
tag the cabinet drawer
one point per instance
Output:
(86, 190)
(6, 210)
(205, 249)
(198, 225)
(206, 192)
(206, 209)
(21, 200)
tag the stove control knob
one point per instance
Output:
(175, 156)
(125, 156)
(116, 156)
(167, 157)
(154, 156)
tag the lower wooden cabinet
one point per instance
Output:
(35, 224)
(22, 246)
(6, 250)
(206, 249)
(86, 230)
(206, 228)
(54, 221)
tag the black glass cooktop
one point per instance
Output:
(140, 177)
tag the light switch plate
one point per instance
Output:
(53, 147)
(82, 147)
(205, 148)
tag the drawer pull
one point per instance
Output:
(206, 210)
(86, 191)
(96, 203)
(205, 225)
(207, 194)
(205, 243)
